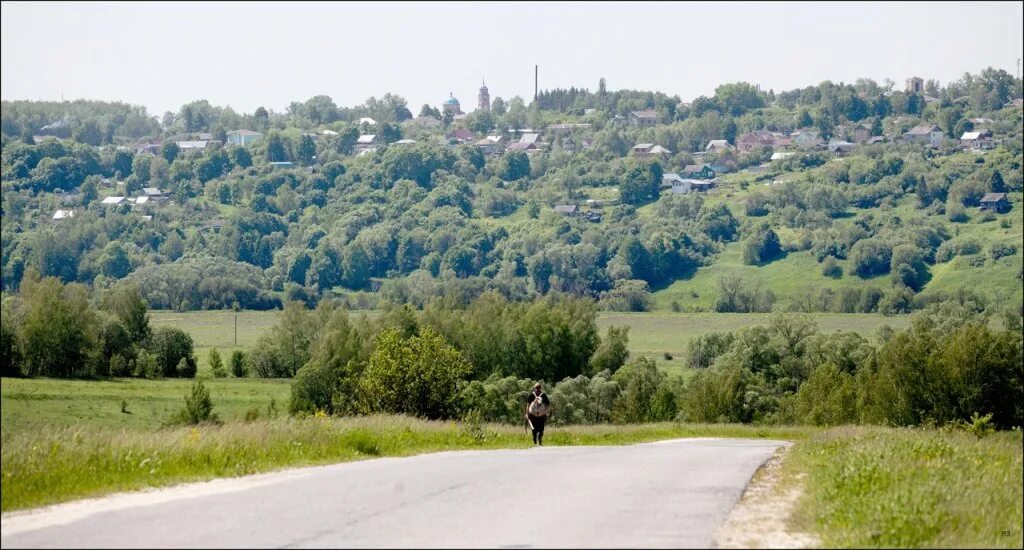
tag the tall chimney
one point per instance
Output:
(535, 83)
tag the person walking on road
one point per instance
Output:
(538, 408)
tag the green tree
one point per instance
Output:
(216, 364)
(57, 331)
(305, 151)
(171, 346)
(126, 303)
(613, 351)
(198, 407)
(516, 165)
(238, 367)
(996, 184)
(169, 151)
(277, 148)
(417, 376)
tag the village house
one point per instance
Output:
(152, 147)
(283, 164)
(645, 150)
(684, 186)
(365, 141)
(61, 214)
(489, 146)
(725, 163)
(368, 121)
(781, 156)
(995, 202)
(928, 134)
(807, 139)
(860, 133)
(567, 210)
(112, 201)
(840, 148)
(669, 179)
(243, 138)
(645, 118)
(194, 145)
(717, 146)
(529, 148)
(153, 194)
(701, 171)
(759, 138)
(875, 139)
(460, 135)
(981, 139)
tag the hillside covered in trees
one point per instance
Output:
(369, 203)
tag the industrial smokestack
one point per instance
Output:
(535, 83)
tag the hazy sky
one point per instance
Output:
(248, 54)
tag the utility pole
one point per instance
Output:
(535, 82)
(236, 329)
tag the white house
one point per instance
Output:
(367, 120)
(977, 140)
(928, 134)
(63, 215)
(684, 186)
(243, 138)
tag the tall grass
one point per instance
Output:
(910, 488)
(58, 464)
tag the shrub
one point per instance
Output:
(999, 250)
(667, 356)
(185, 368)
(216, 364)
(145, 366)
(238, 366)
(119, 366)
(198, 407)
(831, 268)
(956, 212)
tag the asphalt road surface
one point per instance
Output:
(666, 494)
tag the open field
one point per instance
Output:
(651, 334)
(909, 488)
(26, 404)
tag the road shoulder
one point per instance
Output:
(759, 518)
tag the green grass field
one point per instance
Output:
(909, 488)
(26, 404)
(651, 333)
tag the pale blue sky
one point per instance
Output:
(248, 54)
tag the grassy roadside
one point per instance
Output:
(56, 464)
(909, 488)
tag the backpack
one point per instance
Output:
(537, 407)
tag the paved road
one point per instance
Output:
(666, 494)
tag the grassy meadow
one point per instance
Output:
(909, 488)
(651, 333)
(798, 273)
(30, 404)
